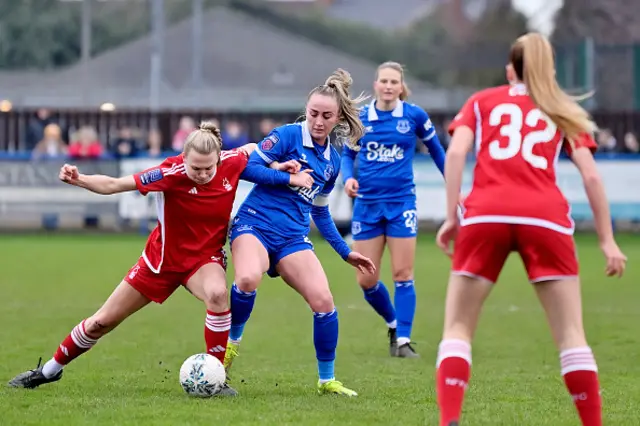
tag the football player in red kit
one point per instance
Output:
(518, 131)
(195, 196)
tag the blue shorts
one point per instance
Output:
(392, 219)
(277, 246)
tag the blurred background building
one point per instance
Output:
(116, 84)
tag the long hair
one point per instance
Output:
(349, 125)
(533, 61)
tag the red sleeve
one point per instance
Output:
(466, 116)
(237, 157)
(585, 140)
(159, 178)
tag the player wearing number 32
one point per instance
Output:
(518, 131)
(195, 195)
(384, 211)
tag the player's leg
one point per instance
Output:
(368, 235)
(479, 254)
(403, 252)
(123, 302)
(208, 284)
(303, 272)
(552, 266)
(401, 230)
(250, 261)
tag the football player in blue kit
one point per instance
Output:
(385, 206)
(270, 231)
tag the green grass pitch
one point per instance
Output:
(49, 283)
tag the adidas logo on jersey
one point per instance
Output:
(193, 190)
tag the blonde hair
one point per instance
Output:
(396, 67)
(349, 125)
(204, 140)
(533, 61)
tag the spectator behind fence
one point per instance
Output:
(51, 145)
(234, 135)
(154, 144)
(187, 125)
(125, 145)
(266, 126)
(631, 145)
(606, 141)
(86, 144)
(37, 124)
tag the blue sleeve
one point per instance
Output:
(346, 163)
(324, 222)
(426, 131)
(273, 147)
(258, 171)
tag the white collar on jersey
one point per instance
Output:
(397, 112)
(307, 141)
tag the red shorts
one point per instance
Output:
(480, 250)
(158, 287)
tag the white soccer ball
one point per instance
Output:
(202, 375)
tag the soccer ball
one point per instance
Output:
(202, 375)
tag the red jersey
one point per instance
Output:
(517, 149)
(192, 218)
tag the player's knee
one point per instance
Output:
(99, 324)
(402, 273)
(215, 294)
(367, 281)
(247, 281)
(321, 302)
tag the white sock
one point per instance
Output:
(393, 324)
(403, 341)
(235, 341)
(51, 368)
(322, 382)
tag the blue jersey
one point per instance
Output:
(285, 209)
(385, 168)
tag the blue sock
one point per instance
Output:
(325, 339)
(378, 298)
(241, 307)
(405, 301)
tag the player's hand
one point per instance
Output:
(446, 234)
(69, 174)
(363, 264)
(302, 179)
(616, 260)
(351, 187)
(291, 166)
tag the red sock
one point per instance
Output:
(74, 345)
(580, 374)
(216, 333)
(452, 378)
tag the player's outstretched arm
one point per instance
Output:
(461, 143)
(584, 161)
(258, 171)
(324, 222)
(100, 184)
